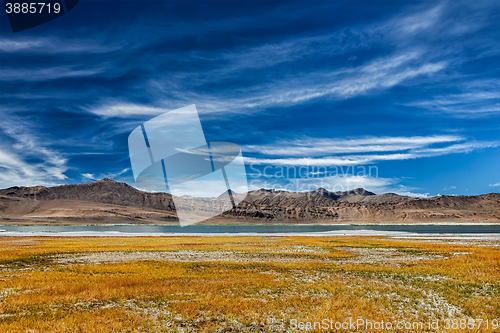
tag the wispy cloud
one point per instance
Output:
(479, 98)
(17, 171)
(397, 149)
(126, 110)
(408, 191)
(401, 65)
(340, 84)
(49, 73)
(343, 81)
(26, 161)
(111, 175)
(52, 45)
(324, 146)
(421, 21)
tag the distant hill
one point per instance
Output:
(108, 201)
(102, 201)
(103, 191)
(341, 195)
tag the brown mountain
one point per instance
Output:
(102, 201)
(107, 201)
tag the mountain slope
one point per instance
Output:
(103, 191)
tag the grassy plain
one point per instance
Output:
(224, 284)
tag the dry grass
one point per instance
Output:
(40, 294)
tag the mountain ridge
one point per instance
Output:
(109, 201)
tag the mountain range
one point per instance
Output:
(108, 201)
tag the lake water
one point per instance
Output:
(140, 230)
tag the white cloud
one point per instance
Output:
(418, 22)
(409, 191)
(400, 148)
(28, 162)
(337, 82)
(14, 171)
(324, 146)
(479, 98)
(497, 184)
(110, 175)
(127, 110)
(51, 45)
(341, 84)
(46, 74)
(365, 79)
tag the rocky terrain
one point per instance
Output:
(108, 201)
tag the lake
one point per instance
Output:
(234, 230)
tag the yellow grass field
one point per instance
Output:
(247, 284)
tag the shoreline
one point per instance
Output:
(407, 230)
(249, 225)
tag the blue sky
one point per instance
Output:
(392, 96)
